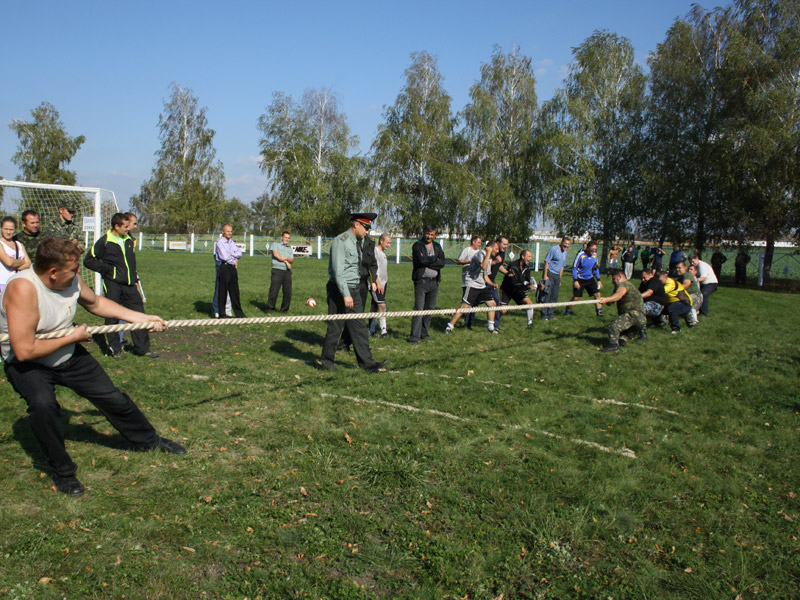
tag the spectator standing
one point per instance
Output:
(29, 235)
(741, 262)
(657, 257)
(281, 277)
(717, 260)
(113, 257)
(628, 262)
(379, 293)
(645, 256)
(428, 258)
(554, 263)
(677, 256)
(13, 257)
(64, 227)
(228, 253)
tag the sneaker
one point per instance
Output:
(118, 355)
(643, 336)
(599, 312)
(568, 313)
(67, 485)
(623, 342)
(448, 329)
(530, 323)
(384, 334)
(150, 354)
(675, 331)
(611, 348)
(494, 331)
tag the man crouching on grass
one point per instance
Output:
(631, 313)
(45, 299)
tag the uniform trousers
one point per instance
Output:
(356, 328)
(83, 375)
(634, 320)
(129, 297)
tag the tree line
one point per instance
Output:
(702, 148)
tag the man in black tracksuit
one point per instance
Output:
(112, 256)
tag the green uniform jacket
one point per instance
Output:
(61, 229)
(343, 267)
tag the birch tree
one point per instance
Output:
(186, 190)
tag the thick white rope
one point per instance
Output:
(99, 329)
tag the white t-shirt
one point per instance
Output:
(704, 270)
(476, 275)
(383, 265)
(466, 254)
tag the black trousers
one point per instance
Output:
(356, 329)
(281, 278)
(363, 287)
(129, 297)
(229, 285)
(83, 375)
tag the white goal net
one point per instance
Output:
(94, 208)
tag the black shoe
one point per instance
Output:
(643, 336)
(169, 446)
(67, 485)
(385, 334)
(622, 342)
(328, 366)
(150, 354)
(610, 348)
(118, 355)
(376, 367)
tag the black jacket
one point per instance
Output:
(419, 254)
(113, 258)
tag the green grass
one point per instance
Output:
(307, 483)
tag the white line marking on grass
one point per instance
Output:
(618, 403)
(490, 382)
(432, 411)
(626, 452)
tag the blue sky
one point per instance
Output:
(107, 66)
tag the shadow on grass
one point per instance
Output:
(262, 306)
(303, 335)
(289, 350)
(77, 432)
(208, 400)
(202, 307)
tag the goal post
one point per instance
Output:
(94, 208)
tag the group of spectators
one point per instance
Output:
(112, 255)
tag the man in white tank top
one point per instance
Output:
(44, 299)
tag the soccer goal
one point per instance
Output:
(94, 208)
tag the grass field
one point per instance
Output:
(525, 465)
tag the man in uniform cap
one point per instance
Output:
(344, 296)
(64, 227)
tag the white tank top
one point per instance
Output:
(56, 311)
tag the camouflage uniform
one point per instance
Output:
(631, 314)
(57, 228)
(30, 243)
